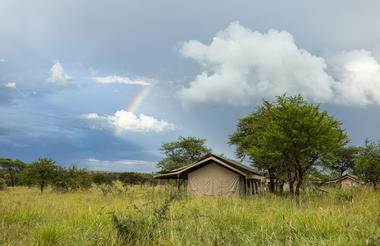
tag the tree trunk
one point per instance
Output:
(281, 188)
(298, 186)
(291, 183)
(42, 188)
(271, 181)
(299, 183)
(12, 179)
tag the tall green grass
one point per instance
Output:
(85, 218)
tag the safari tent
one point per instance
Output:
(345, 181)
(213, 175)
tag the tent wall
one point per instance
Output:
(215, 180)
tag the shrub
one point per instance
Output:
(72, 179)
(3, 184)
(143, 225)
(343, 196)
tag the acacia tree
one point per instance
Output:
(344, 160)
(367, 164)
(13, 168)
(41, 172)
(293, 133)
(182, 152)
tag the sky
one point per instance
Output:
(102, 84)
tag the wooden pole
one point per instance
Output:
(246, 188)
(178, 184)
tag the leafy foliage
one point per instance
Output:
(182, 152)
(12, 168)
(367, 164)
(72, 179)
(289, 136)
(3, 184)
(100, 178)
(143, 227)
(133, 178)
(344, 160)
(41, 172)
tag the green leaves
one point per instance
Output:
(13, 168)
(40, 172)
(367, 164)
(182, 152)
(287, 135)
(342, 160)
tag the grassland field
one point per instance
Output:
(143, 215)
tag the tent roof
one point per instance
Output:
(232, 165)
(347, 176)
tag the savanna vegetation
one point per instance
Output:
(146, 215)
(289, 140)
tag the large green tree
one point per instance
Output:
(367, 164)
(13, 168)
(41, 172)
(291, 134)
(181, 152)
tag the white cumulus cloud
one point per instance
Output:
(10, 85)
(58, 75)
(240, 65)
(358, 78)
(128, 121)
(121, 80)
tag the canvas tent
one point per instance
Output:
(346, 181)
(213, 175)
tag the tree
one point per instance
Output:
(41, 172)
(344, 160)
(72, 179)
(13, 168)
(367, 164)
(248, 134)
(182, 152)
(290, 135)
(101, 178)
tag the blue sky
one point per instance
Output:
(71, 70)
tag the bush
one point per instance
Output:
(72, 179)
(143, 225)
(132, 178)
(343, 196)
(3, 184)
(103, 179)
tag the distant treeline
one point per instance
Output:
(46, 171)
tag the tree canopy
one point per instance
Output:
(288, 137)
(367, 164)
(41, 172)
(13, 168)
(343, 161)
(182, 152)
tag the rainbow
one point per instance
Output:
(139, 98)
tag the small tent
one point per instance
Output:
(213, 175)
(345, 181)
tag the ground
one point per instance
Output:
(147, 216)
